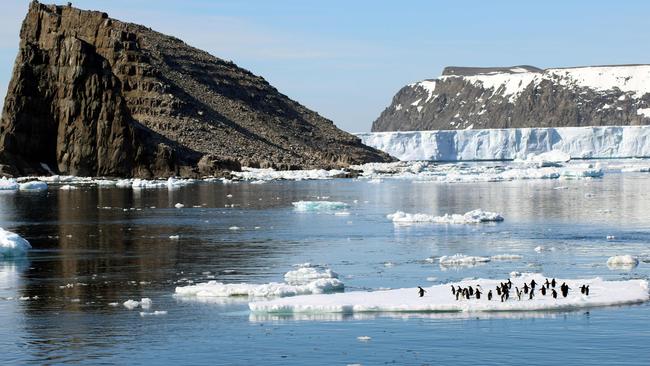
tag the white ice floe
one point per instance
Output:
(33, 186)
(153, 313)
(506, 257)
(622, 262)
(258, 175)
(8, 184)
(174, 237)
(313, 206)
(471, 217)
(179, 205)
(549, 158)
(461, 260)
(12, 244)
(144, 303)
(302, 281)
(67, 187)
(439, 298)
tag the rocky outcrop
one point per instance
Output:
(94, 96)
(522, 96)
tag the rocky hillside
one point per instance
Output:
(522, 96)
(91, 95)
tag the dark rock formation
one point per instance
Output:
(521, 96)
(94, 96)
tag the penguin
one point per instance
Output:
(503, 296)
(587, 290)
(471, 291)
(457, 295)
(525, 288)
(507, 295)
(548, 284)
(543, 290)
(518, 293)
(533, 284)
(554, 293)
(553, 283)
(421, 291)
(467, 294)
(478, 294)
(498, 290)
(531, 295)
(453, 290)
(509, 283)
(582, 289)
(459, 289)
(490, 295)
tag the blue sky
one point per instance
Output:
(346, 59)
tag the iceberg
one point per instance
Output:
(33, 186)
(625, 262)
(515, 143)
(309, 206)
(471, 217)
(459, 260)
(8, 184)
(12, 244)
(439, 298)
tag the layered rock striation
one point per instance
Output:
(94, 96)
(520, 97)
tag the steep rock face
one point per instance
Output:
(522, 96)
(92, 95)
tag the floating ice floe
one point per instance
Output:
(8, 184)
(305, 280)
(548, 159)
(179, 205)
(67, 187)
(313, 206)
(144, 303)
(33, 186)
(439, 298)
(506, 257)
(153, 313)
(471, 217)
(260, 175)
(622, 262)
(461, 260)
(12, 244)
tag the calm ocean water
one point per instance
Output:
(96, 246)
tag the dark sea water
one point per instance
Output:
(94, 246)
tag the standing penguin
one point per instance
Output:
(509, 283)
(525, 288)
(453, 290)
(421, 291)
(467, 294)
(532, 293)
(471, 291)
(582, 289)
(457, 295)
(498, 290)
(478, 294)
(587, 290)
(490, 295)
(543, 290)
(554, 293)
(518, 293)
(553, 283)
(533, 284)
(548, 284)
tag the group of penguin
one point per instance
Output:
(503, 290)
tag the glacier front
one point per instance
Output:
(513, 143)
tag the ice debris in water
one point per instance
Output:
(67, 187)
(33, 185)
(471, 217)
(154, 313)
(253, 174)
(12, 244)
(307, 279)
(8, 184)
(308, 206)
(506, 257)
(179, 205)
(144, 303)
(462, 260)
(439, 298)
(622, 262)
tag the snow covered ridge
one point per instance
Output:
(472, 217)
(513, 143)
(440, 299)
(12, 245)
(306, 279)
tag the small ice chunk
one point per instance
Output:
(506, 257)
(308, 206)
(364, 338)
(462, 260)
(131, 304)
(12, 244)
(622, 262)
(611, 237)
(471, 217)
(67, 187)
(145, 303)
(234, 228)
(174, 237)
(33, 186)
(8, 184)
(154, 313)
(179, 205)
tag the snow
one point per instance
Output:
(313, 206)
(253, 174)
(472, 217)
(8, 184)
(34, 186)
(12, 244)
(439, 298)
(622, 262)
(508, 85)
(429, 86)
(645, 112)
(307, 279)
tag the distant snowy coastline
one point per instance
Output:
(609, 142)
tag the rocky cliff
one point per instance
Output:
(94, 96)
(522, 96)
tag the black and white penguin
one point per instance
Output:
(531, 294)
(490, 295)
(554, 293)
(525, 288)
(533, 284)
(509, 283)
(518, 293)
(498, 290)
(543, 290)
(548, 284)
(553, 283)
(478, 294)
(453, 290)
(471, 291)
(587, 290)
(421, 291)
(582, 289)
